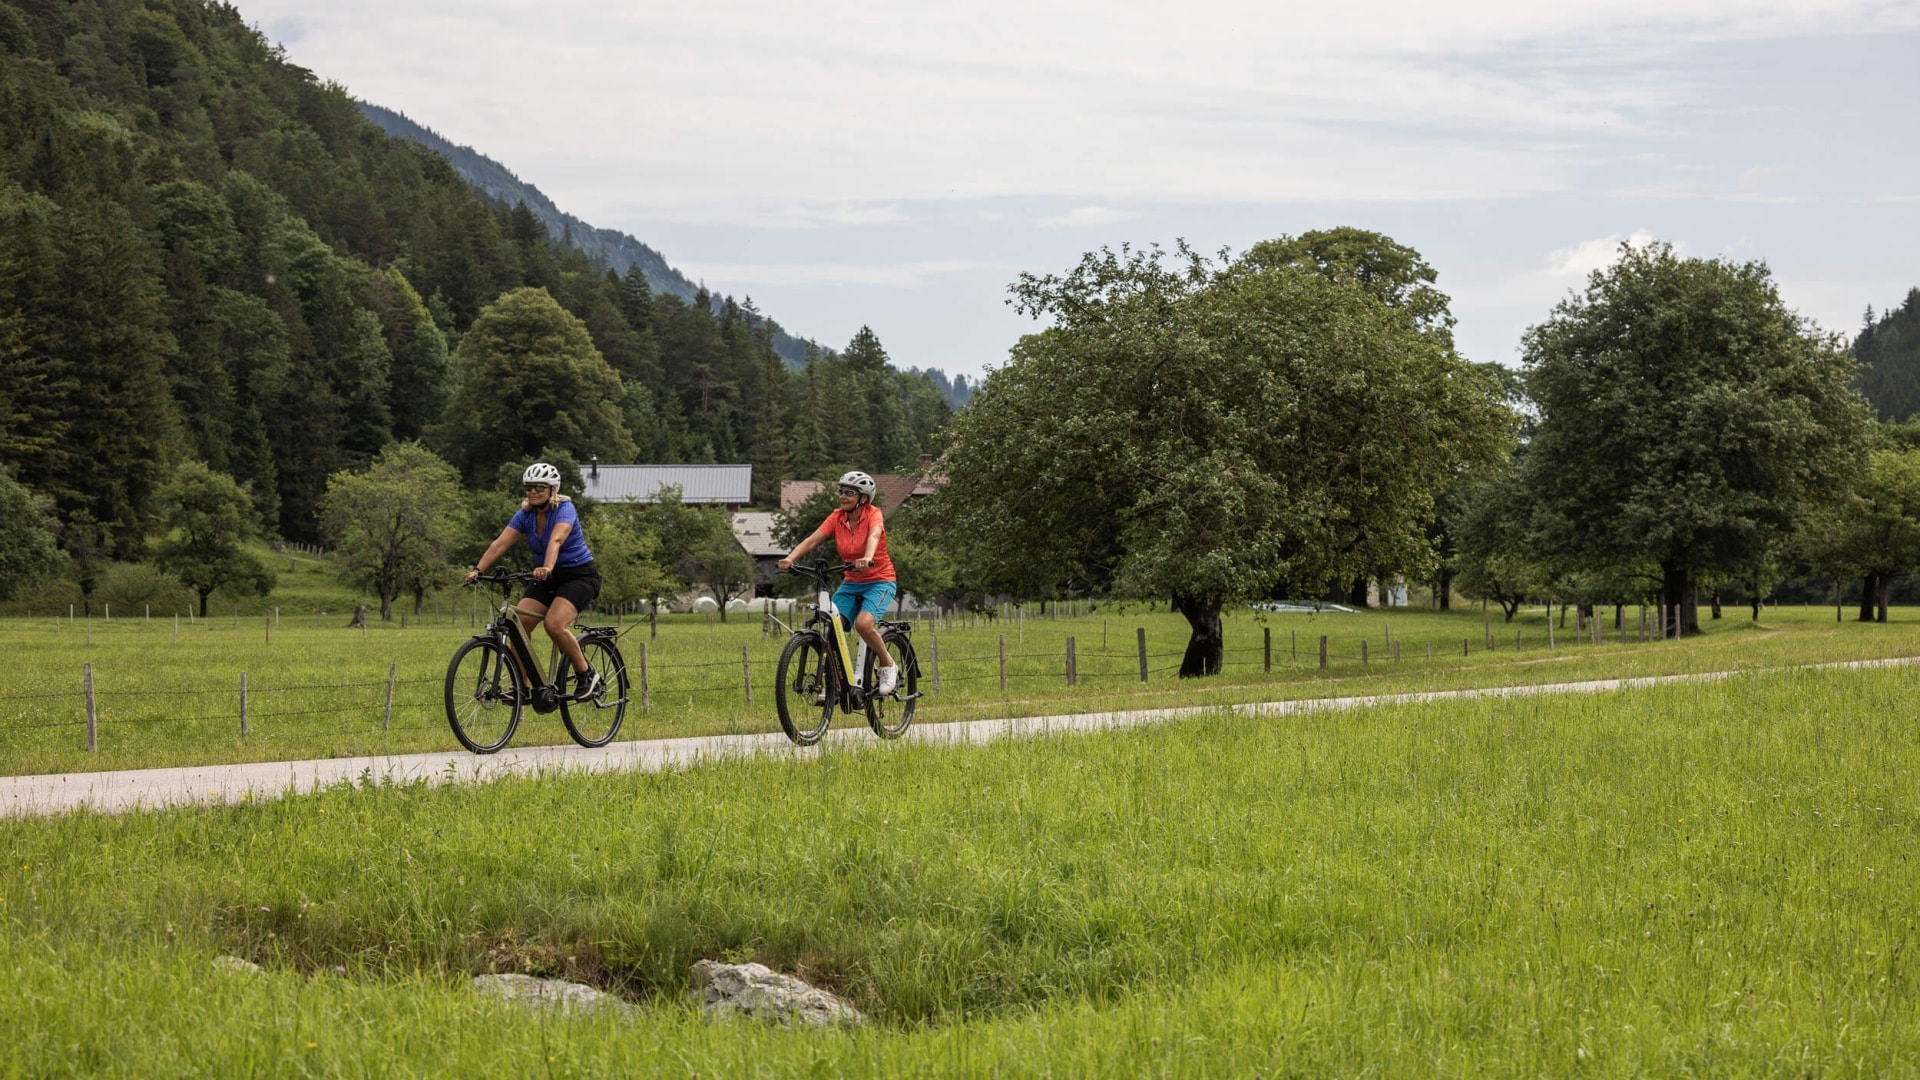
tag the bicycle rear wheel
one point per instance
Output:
(595, 722)
(807, 689)
(484, 695)
(891, 715)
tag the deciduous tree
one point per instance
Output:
(1687, 417)
(208, 519)
(394, 525)
(1206, 431)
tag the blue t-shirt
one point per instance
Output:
(573, 550)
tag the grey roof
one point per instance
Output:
(754, 531)
(726, 485)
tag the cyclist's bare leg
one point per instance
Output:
(560, 616)
(556, 620)
(863, 625)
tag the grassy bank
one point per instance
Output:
(1707, 878)
(317, 688)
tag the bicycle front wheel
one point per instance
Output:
(807, 690)
(594, 722)
(890, 716)
(484, 695)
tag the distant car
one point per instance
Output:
(1288, 605)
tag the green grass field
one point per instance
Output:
(1689, 879)
(318, 689)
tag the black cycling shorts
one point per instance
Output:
(578, 584)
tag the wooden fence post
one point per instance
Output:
(1266, 635)
(1463, 647)
(1396, 650)
(93, 716)
(1141, 636)
(1549, 626)
(1294, 636)
(1073, 675)
(933, 643)
(386, 718)
(746, 675)
(243, 704)
(646, 689)
(1003, 663)
(1323, 650)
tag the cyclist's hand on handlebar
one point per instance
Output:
(862, 564)
(540, 573)
(786, 564)
(472, 574)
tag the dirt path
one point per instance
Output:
(145, 789)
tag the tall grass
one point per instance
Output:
(1709, 878)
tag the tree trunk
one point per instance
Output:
(204, 593)
(1512, 608)
(1755, 605)
(1869, 587)
(1886, 591)
(419, 601)
(1619, 617)
(1206, 649)
(1684, 596)
(1446, 590)
(386, 607)
(1716, 603)
(1357, 596)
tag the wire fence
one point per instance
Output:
(415, 700)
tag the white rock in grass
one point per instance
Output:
(555, 994)
(236, 964)
(757, 990)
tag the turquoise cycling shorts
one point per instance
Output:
(874, 597)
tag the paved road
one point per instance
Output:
(146, 789)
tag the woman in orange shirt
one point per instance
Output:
(860, 535)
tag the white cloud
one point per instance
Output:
(1086, 217)
(1589, 255)
(908, 275)
(799, 112)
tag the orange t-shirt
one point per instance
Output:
(851, 540)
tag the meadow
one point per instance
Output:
(1686, 879)
(167, 687)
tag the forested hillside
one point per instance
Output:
(208, 253)
(1889, 353)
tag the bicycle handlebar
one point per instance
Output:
(501, 577)
(819, 569)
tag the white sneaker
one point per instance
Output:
(889, 679)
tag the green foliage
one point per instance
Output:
(1496, 558)
(1686, 420)
(208, 519)
(32, 549)
(1889, 353)
(528, 378)
(1873, 529)
(1208, 432)
(629, 559)
(698, 546)
(395, 525)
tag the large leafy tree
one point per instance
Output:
(1206, 431)
(1686, 419)
(208, 520)
(395, 524)
(528, 377)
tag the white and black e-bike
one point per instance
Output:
(815, 673)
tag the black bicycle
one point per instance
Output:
(815, 668)
(493, 677)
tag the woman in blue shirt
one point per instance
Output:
(565, 579)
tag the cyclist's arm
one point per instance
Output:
(508, 537)
(873, 539)
(560, 531)
(806, 545)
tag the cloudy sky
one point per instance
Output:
(895, 165)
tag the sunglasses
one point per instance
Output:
(849, 491)
(531, 488)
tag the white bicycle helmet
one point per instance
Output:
(860, 482)
(541, 473)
